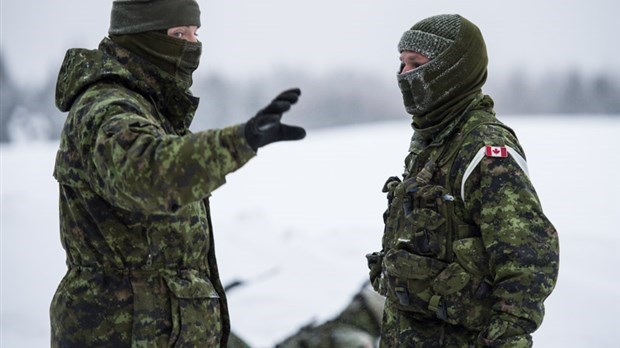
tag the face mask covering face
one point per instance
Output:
(412, 88)
(177, 57)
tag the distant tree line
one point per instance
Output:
(566, 92)
(329, 100)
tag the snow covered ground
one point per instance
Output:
(297, 220)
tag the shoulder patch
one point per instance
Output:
(492, 151)
(496, 151)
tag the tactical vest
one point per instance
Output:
(434, 264)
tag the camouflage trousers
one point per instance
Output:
(401, 329)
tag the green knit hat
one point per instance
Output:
(136, 16)
(431, 36)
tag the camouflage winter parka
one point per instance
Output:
(134, 214)
(467, 250)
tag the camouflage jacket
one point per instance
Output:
(466, 241)
(134, 212)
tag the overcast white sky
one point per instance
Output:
(254, 37)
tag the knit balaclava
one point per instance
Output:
(440, 91)
(431, 36)
(140, 25)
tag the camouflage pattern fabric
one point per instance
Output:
(357, 326)
(464, 273)
(234, 341)
(134, 213)
(406, 331)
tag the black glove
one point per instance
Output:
(265, 127)
(375, 266)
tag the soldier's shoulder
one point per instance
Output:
(106, 96)
(483, 138)
(490, 130)
(491, 133)
(112, 91)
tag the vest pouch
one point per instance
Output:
(464, 297)
(424, 227)
(195, 307)
(471, 255)
(409, 281)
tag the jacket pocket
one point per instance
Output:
(409, 280)
(195, 308)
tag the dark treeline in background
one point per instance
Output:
(328, 100)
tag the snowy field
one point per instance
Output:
(296, 222)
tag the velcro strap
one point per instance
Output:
(434, 303)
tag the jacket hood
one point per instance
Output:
(82, 68)
(112, 63)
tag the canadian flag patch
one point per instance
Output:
(496, 151)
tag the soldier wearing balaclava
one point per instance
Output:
(134, 184)
(468, 256)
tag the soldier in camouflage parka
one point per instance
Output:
(468, 257)
(134, 184)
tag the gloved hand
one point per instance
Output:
(265, 127)
(374, 265)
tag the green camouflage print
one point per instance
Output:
(465, 273)
(234, 341)
(521, 244)
(134, 210)
(401, 330)
(357, 326)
